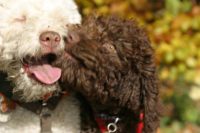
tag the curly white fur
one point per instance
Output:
(21, 23)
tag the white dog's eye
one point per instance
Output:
(20, 19)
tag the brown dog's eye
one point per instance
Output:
(20, 19)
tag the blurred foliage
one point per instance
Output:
(174, 29)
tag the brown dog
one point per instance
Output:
(111, 63)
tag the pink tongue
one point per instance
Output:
(46, 73)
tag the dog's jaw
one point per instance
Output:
(30, 90)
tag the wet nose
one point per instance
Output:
(50, 39)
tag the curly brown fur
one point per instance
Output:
(110, 61)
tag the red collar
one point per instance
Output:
(104, 127)
(140, 124)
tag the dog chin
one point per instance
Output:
(28, 90)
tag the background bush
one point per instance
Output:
(174, 29)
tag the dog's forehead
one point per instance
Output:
(39, 3)
(49, 5)
(46, 9)
(44, 5)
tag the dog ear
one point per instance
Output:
(149, 93)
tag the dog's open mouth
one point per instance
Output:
(41, 69)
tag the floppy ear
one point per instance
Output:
(149, 93)
(140, 88)
(150, 103)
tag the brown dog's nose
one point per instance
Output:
(50, 39)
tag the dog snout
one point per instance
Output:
(73, 38)
(50, 39)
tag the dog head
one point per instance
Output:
(111, 62)
(32, 34)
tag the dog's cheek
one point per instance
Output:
(10, 31)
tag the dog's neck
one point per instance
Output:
(42, 107)
(37, 106)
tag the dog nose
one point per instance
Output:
(50, 39)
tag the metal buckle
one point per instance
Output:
(112, 127)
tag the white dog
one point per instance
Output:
(32, 34)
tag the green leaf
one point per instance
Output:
(186, 6)
(173, 6)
